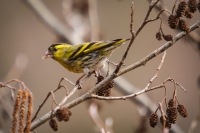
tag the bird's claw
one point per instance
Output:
(78, 85)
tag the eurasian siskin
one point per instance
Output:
(83, 58)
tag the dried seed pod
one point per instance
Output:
(158, 36)
(167, 124)
(29, 113)
(173, 21)
(183, 26)
(99, 79)
(53, 124)
(198, 6)
(182, 7)
(167, 37)
(15, 111)
(153, 120)
(171, 103)
(63, 114)
(22, 111)
(182, 110)
(192, 5)
(105, 90)
(172, 114)
(188, 14)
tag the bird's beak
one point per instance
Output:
(48, 54)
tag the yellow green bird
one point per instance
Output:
(83, 58)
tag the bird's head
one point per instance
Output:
(56, 51)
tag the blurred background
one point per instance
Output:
(24, 38)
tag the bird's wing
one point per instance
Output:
(87, 48)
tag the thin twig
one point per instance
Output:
(40, 107)
(158, 16)
(53, 100)
(165, 95)
(74, 89)
(157, 70)
(5, 104)
(68, 96)
(158, 51)
(163, 117)
(138, 93)
(7, 86)
(174, 7)
(130, 43)
(127, 96)
(50, 93)
(19, 82)
(108, 71)
(181, 86)
(145, 21)
(172, 80)
(133, 36)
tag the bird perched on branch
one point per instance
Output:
(83, 58)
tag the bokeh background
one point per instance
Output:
(24, 38)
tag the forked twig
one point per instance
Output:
(127, 96)
(175, 83)
(68, 96)
(138, 93)
(51, 93)
(157, 51)
(157, 71)
(130, 43)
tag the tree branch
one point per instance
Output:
(159, 50)
(87, 95)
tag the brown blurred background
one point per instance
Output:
(25, 37)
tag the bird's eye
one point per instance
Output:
(54, 49)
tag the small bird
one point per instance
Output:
(83, 58)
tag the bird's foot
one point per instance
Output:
(78, 84)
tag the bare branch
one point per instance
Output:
(51, 93)
(87, 95)
(157, 71)
(127, 96)
(151, 6)
(130, 43)
(68, 96)
(158, 51)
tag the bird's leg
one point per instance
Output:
(97, 73)
(78, 83)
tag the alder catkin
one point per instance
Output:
(22, 111)
(29, 113)
(15, 111)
